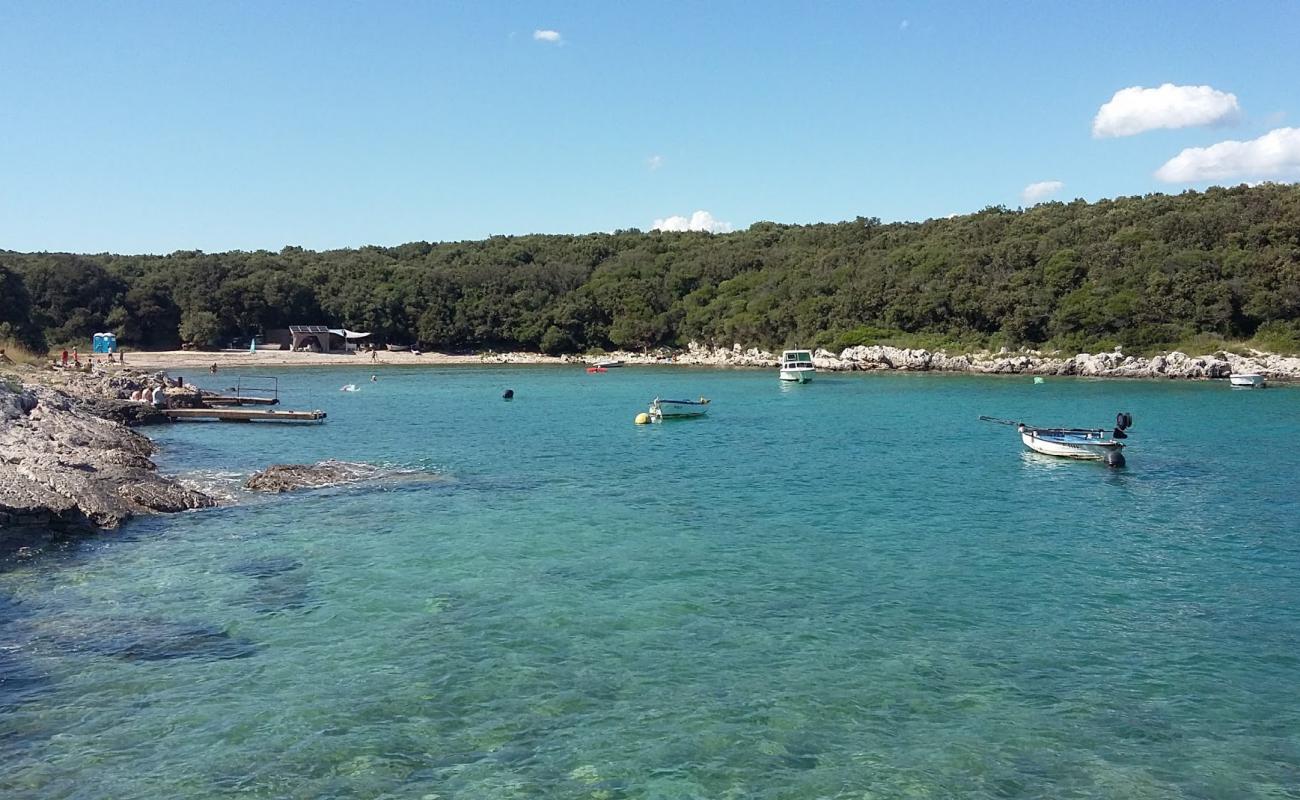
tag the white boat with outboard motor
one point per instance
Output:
(1093, 444)
(1247, 380)
(797, 366)
(661, 409)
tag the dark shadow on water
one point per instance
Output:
(146, 640)
(265, 567)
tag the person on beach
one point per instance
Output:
(65, 358)
(159, 397)
(214, 368)
(76, 358)
(374, 354)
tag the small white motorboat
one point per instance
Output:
(607, 363)
(1093, 444)
(797, 366)
(661, 409)
(1247, 380)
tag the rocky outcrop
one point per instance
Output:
(1109, 365)
(290, 477)
(63, 467)
(884, 357)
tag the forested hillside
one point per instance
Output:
(1143, 272)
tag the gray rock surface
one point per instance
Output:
(62, 467)
(289, 477)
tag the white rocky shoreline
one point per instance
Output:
(882, 357)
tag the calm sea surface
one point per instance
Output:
(850, 589)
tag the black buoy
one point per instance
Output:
(508, 394)
(1114, 458)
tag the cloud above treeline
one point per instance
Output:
(553, 37)
(1276, 154)
(1136, 109)
(699, 221)
(1038, 192)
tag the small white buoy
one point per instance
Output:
(642, 418)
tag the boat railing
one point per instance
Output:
(257, 387)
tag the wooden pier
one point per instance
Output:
(228, 400)
(244, 415)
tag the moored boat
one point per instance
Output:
(797, 366)
(1093, 444)
(1247, 380)
(661, 409)
(607, 363)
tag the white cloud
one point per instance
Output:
(1276, 154)
(1135, 109)
(1038, 192)
(654, 162)
(699, 221)
(902, 26)
(547, 36)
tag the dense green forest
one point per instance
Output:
(1144, 272)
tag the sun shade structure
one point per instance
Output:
(321, 339)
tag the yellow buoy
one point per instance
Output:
(643, 418)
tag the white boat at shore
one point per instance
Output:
(797, 366)
(608, 363)
(1247, 380)
(661, 409)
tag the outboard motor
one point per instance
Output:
(1114, 458)
(508, 394)
(1123, 421)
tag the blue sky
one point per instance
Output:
(156, 126)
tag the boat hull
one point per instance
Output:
(797, 366)
(1071, 446)
(678, 409)
(1249, 380)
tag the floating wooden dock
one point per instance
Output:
(227, 400)
(244, 415)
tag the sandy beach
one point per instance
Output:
(227, 359)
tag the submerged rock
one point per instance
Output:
(145, 640)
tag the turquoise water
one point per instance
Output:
(850, 589)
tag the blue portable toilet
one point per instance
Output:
(105, 343)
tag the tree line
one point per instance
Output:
(1142, 272)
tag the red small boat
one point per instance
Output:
(596, 369)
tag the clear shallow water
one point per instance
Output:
(848, 589)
